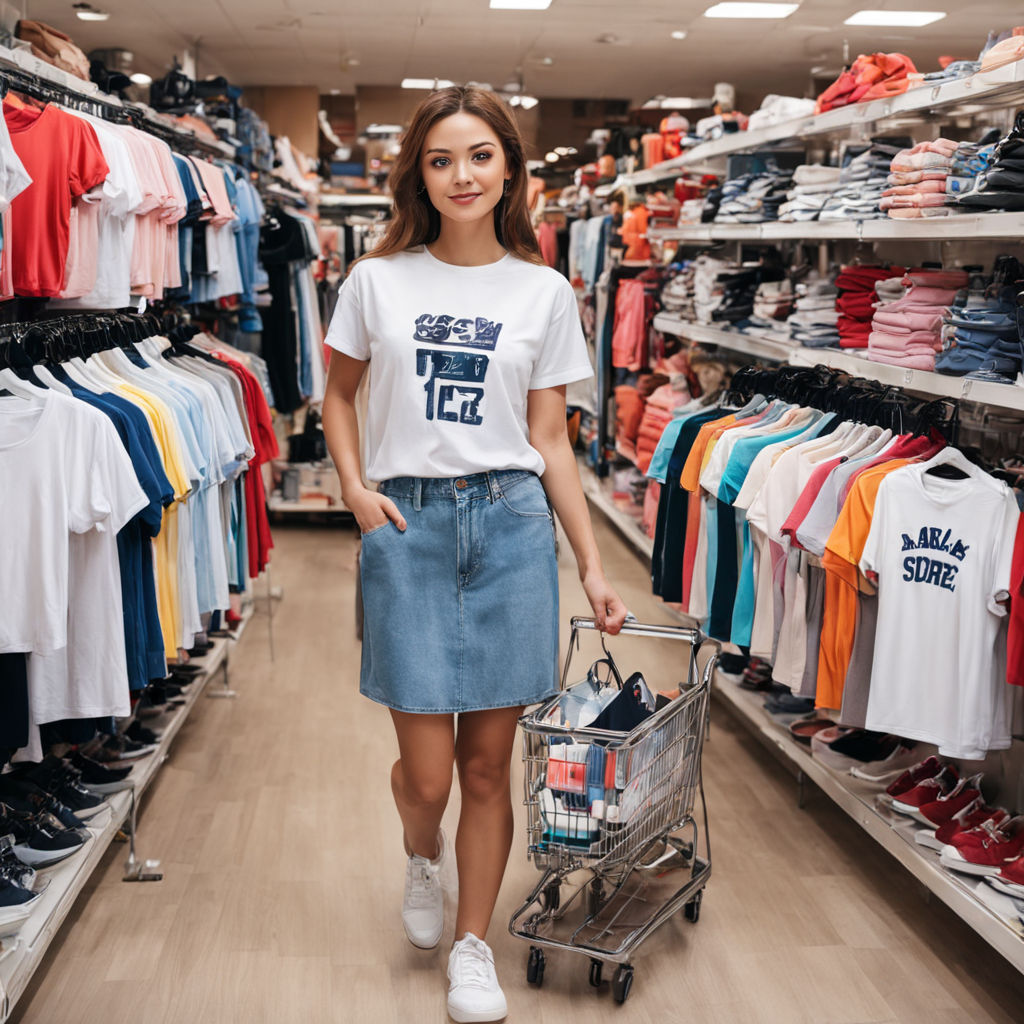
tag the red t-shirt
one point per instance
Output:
(63, 157)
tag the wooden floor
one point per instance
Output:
(283, 872)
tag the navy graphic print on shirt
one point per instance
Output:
(457, 401)
(936, 571)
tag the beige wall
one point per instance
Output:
(288, 110)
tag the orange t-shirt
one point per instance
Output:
(840, 561)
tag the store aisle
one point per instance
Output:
(283, 872)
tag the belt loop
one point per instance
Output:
(490, 488)
(417, 494)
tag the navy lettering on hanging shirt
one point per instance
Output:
(927, 569)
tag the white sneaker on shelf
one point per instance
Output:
(423, 904)
(474, 993)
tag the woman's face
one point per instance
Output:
(463, 167)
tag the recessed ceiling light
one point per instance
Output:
(335, 92)
(91, 15)
(141, 78)
(750, 10)
(679, 34)
(520, 5)
(528, 102)
(911, 19)
(552, 157)
(426, 83)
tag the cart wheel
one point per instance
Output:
(535, 967)
(692, 909)
(623, 983)
(595, 972)
(552, 896)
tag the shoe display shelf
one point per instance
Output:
(958, 227)
(66, 880)
(996, 88)
(993, 916)
(923, 382)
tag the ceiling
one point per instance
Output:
(308, 42)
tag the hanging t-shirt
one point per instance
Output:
(1015, 630)
(453, 352)
(942, 550)
(63, 157)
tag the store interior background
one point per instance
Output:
(591, 63)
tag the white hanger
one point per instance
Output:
(950, 456)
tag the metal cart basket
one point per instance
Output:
(610, 821)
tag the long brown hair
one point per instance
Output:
(415, 220)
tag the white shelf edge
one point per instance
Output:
(856, 800)
(748, 344)
(977, 88)
(954, 228)
(68, 878)
(277, 504)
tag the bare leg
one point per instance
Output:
(483, 754)
(421, 778)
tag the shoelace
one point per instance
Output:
(473, 967)
(423, 882)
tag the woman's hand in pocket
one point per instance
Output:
(373, 510)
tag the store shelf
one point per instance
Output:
(277, 504)
(67, 879)
(984, 89)
(737, 341)
(1003, 396)
(989, 914)
(958, 227)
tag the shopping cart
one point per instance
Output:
(610, 821)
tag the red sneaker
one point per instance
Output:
(942, 809)
(927, 769)
(985, 850)
(927, 791)
(963, 821)
(1010, 879)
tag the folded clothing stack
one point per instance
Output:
(953, 71)
(773, 304)
(657, 415)
(981, 335)
(870, 77)
(723, 290)
(777, 109)
(813, 324)
(1000, 186)
(753, 198)
(907, 329)
(917, 181)
(856, 302)
(813, 185)
(677, 293)
(862, 180)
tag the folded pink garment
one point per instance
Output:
(920, 296)
(913, 177)
(915, 362)
(915, 341)
(903, 162)
(917, 212)
(907, 320)
(919, 188)
(946, 146)
(913, 201)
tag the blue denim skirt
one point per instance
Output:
(460, 612)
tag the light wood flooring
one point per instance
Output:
(283, 872)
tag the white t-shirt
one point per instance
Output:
(453, 352)
(942, 550)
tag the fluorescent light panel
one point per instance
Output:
(426, 83)
(520, 5)
(93, 15)
(890, 19)
(750, 10)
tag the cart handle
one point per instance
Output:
(632, 627)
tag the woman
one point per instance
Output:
(471, 340)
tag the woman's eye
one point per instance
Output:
(486, 156)
(439, 161)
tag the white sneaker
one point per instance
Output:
(474, 993)
(423, 905)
